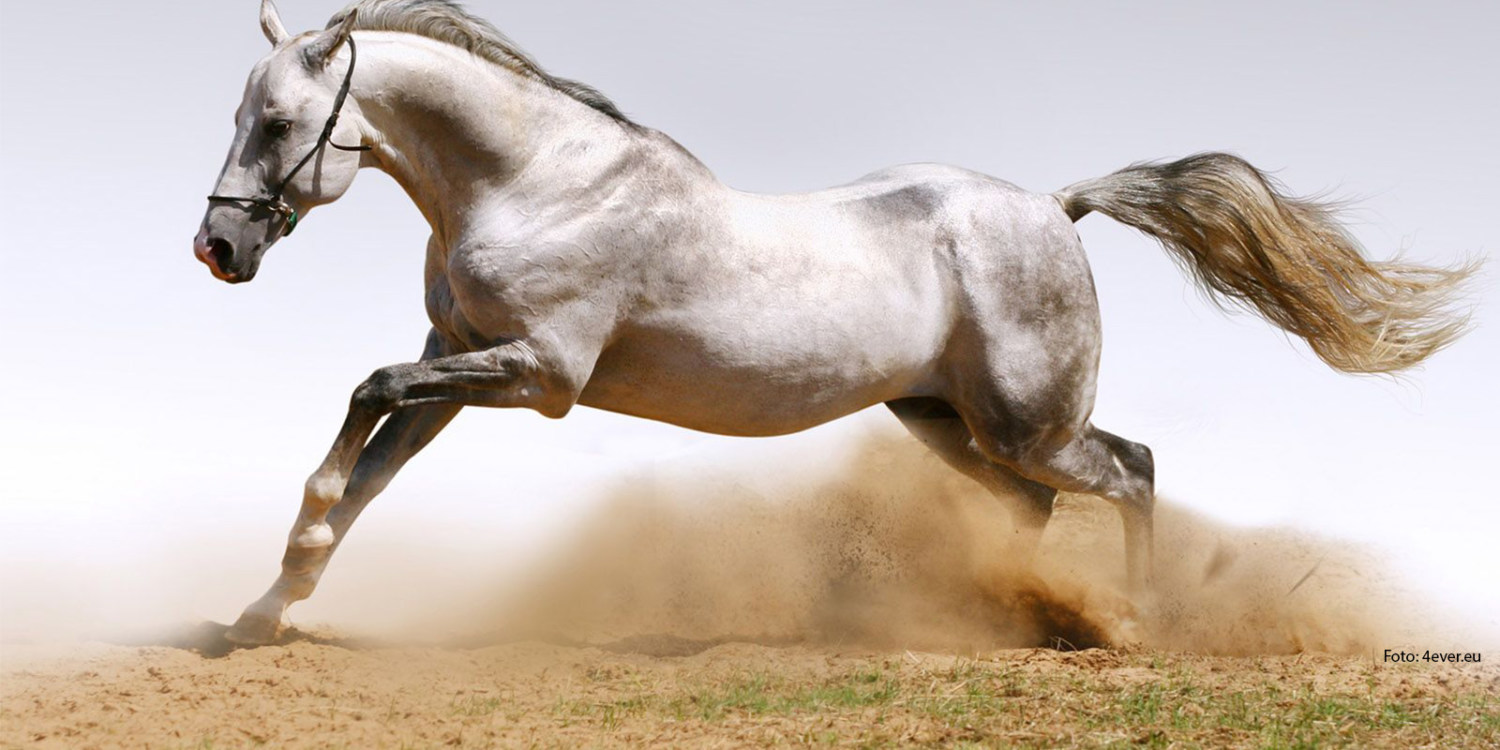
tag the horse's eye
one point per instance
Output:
(278, 128)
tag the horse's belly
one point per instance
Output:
(724, 404)
(755, 385)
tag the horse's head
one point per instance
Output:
(283, 160)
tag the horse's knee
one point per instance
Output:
(381, 391)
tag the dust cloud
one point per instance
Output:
(879, 545)
(892, 549)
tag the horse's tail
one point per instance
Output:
(1246, 242)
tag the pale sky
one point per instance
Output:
(153, 410)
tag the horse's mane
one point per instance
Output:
(447, 21)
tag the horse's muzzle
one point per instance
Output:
(218, 254)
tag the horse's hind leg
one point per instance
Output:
(1091, 461)
(1021, 366)
(942, 430)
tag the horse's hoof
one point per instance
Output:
(254, 629)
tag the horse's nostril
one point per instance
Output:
(221, 252)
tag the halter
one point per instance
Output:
(275, 202)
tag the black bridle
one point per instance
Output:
(275, 202)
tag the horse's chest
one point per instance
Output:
(480, 297)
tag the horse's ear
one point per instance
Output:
(322, 48)
(270, 22)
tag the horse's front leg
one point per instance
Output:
(319, 529)
(421, 398)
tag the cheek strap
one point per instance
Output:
(275, 202)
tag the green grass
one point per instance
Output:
(753, 695)
(997, 706)
(476, 705)
(1275, 718)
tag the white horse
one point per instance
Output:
(577, 257)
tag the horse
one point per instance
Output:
(579, 257)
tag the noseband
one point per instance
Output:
(275, 202)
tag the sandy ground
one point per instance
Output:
(667, 691)
(877, 604)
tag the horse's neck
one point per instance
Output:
(455, 131)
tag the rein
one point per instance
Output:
(275, 202)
